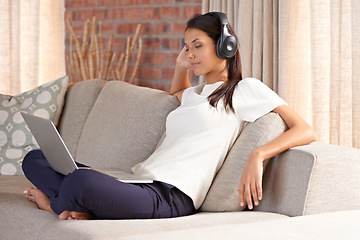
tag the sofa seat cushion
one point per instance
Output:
(23, 220)
(124, 126)
(329, 226)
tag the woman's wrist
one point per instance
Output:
(257, 155)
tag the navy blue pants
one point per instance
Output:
(101, 196)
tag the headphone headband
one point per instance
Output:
(222, 17)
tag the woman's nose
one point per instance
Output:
(191, 55)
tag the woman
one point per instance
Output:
(198, 136)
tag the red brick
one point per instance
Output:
(119, 44)
(151, 13)
(151, 43)
(115, 13)
(170, 12)
(146, 58)
(167, 73)
(173, 58)
(190, 11)
(190, 1)
(143, 2)
(70, 15)
(133, 57)
(146, 28)
(81, 3)
(108, 28)
(130, 70)
(126, 2)
(170, 43)
(179, 28)
(78, 28)
(152, 84)
(161, 2)
(157, 58)
(160, 58)
(83, 15)
(161, 28)
(150, 72)
(133, 13)
(106, 3)
(126, 28)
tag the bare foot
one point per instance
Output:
(38, 197)
(71, 215)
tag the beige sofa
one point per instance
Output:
(310, 192)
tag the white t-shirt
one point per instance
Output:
(198, 136)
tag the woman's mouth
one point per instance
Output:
(193, 65)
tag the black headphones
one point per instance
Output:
(227, 44)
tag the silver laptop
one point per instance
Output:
(58, 156)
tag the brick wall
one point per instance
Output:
(163, 23)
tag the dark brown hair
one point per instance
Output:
(210, 24)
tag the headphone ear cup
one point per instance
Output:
(219, 49)
(226, 46)
(229, 46)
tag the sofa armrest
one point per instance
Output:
(312, 179)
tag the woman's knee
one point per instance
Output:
(78, 182)
(31, 158)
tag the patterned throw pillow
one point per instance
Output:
(15, 137)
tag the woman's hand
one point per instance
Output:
(299, 133)
(250, 188)
(182, 59)
(181, 80)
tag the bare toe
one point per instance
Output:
(67, 215)
(38, 197)
(81, 216)
(28, 194)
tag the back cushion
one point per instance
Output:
(223, 194)
(124, 126)
(80, 98)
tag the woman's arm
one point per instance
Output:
(180, 80)
(299, 133)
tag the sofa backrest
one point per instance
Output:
(79, 100)
(124, 125)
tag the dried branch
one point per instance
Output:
(133, 43)
(109, 55)
(77, 63)
(91, 58)
(85, 46)
(109, 66)
(127, 55)
(87, 60)
(101, 64)
(137, 61)
(120, 62)
(70, 60)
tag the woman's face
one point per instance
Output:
(202, 54)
